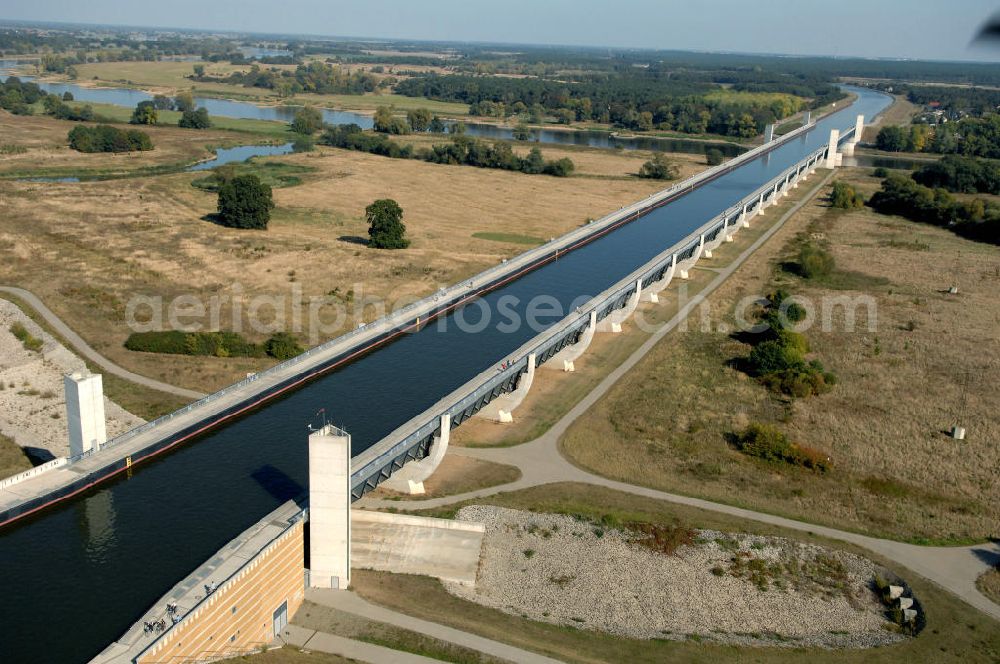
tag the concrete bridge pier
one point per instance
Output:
(500, 409)
(769, 133)
(744, 220)
(566, 358)
(330, 508)
(859, 128)
(613, 321)
(688, 263)
(720, 237)
(410, 478)
(654, 288)
(759, 210)
(85, 412)
(775, 194)
(831, 150)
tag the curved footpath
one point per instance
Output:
(85, 349)
(540, 461)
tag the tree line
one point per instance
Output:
(462, 150)
(638, 102)
(315, 77)
(972, 137)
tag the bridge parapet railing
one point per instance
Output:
(376, 463)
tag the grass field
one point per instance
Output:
(900, 387)
(289, 655)
(47, 152)
(955, 632)
(86, 248)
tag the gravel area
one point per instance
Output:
(728, 588)
(32, 404)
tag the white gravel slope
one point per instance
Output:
(32, 404)
(558, 569)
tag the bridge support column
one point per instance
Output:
(410, 478)
(744, 221)
(776, 194)
(807, 118)
(567, 357)
(330, 508)
(85, 412)
(859, 128)
(769, 133)
(501, 408)
(654, 288)
(613, 321)
(689, 263)
(831, 149)
(759, 210)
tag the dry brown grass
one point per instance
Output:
(896, 472)
(989, 584)
(48, 148)
(13, 460)
(459, 474)
(85, 248)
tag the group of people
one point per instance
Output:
(154, 627)
(157, 626)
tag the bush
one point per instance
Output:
(880, 172)
(303, 144)
(195, 119)
(307, 121)
(713, 157)
(767, 443)
(845, 197)
(283, 346)
(245, 202)
(176, 342)
(659, 168)
(105, 138)
(29, 341)
(814, 262)
(144, 114)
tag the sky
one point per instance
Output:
(920, 29)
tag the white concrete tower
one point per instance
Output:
(831, 154)
(769, 133)
(330, 508)
(85, 412)
(807, 118)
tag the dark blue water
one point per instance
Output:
(246, 110)
(77, 576)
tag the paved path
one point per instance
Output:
(83, 348)
(308, 639)
(541, 462)
(350, 602)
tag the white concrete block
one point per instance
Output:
(504, 417)
(85, 412)
(569, 366)
(685, 275)
(909, 615)
(895, 592)
(905, 602)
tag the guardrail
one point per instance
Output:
(410, 440)
(32, 472)
(467, 288)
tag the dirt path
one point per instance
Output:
(541, 462)
(83, 348)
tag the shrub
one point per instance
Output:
(303, 144)
(245, 202)
(768, 443)
(844, 197)
(105, 138)
(713, 157)
(769, 357)
(283, 346)
(814, 262)
(176, 342)
(28, 340)
(880, 172)
(307, 121)
(195, 119)
(659, 168)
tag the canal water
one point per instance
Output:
(76, 576)
(285, 113)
